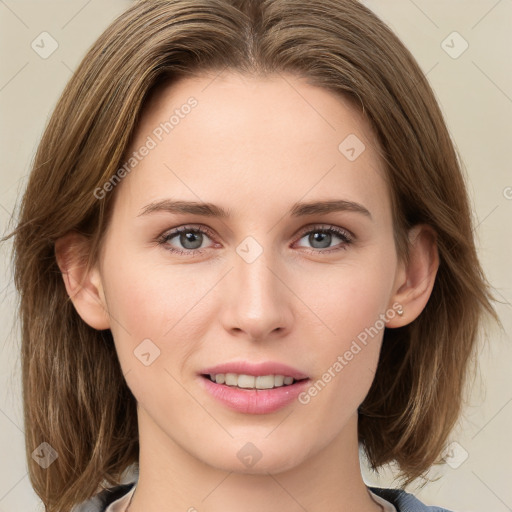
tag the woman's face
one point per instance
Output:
(280, 285)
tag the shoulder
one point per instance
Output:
(403, 501)
(102, 500)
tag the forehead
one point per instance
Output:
(238, 139)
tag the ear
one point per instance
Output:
(83, 285)
(415, 278)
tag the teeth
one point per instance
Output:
(231, 379)
(219, 379)
(250, 381)
(246, 381)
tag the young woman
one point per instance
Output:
(244, 252)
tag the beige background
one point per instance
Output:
(475, 93)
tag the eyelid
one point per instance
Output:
(327, 227)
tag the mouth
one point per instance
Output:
(253, 388)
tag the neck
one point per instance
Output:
(172, 479)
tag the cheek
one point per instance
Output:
(156, 327)
(159, 303)
(349, 298)
(352, 302)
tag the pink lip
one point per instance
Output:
(254, 401)
(256, 369)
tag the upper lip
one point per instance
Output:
(255, 369)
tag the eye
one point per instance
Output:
(190, 241)
(321, 237)
(186, 240)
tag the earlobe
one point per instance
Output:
(83, 285)
(416, 279)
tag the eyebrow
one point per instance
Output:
(299, 209)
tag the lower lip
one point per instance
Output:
(254, 401)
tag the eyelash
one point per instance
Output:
(345, 236)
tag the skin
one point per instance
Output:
(253, 146)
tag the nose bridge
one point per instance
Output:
(256, 281)
(258, 301)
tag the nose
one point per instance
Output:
(256, 302)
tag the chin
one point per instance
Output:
(257, 457)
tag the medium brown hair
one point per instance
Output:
(75, 396)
